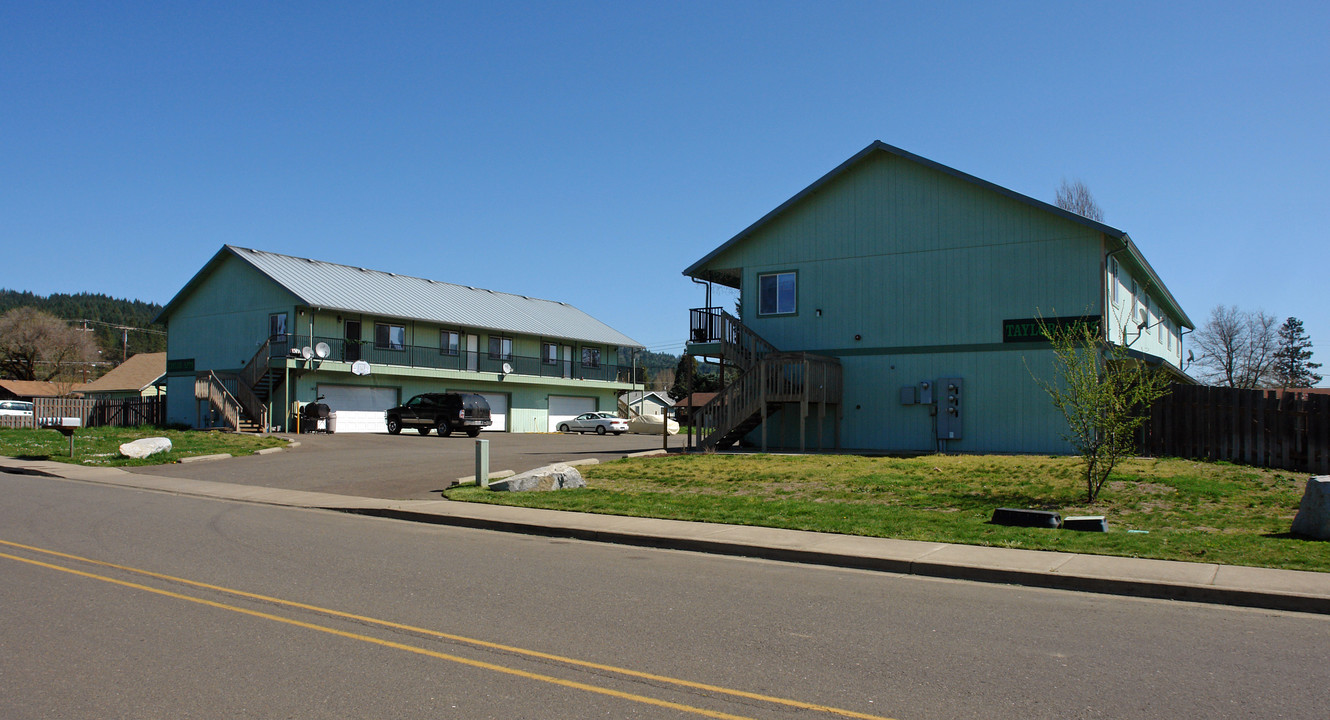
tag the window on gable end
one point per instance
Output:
(777, 293)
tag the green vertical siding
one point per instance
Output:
(923, 267)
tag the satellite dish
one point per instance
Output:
(360, 367)
(507, 369)
(306, 352)
(322, 350)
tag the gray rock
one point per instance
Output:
(145, 447)
(1313, 518)
(551, 477)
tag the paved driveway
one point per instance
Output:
(401, 467)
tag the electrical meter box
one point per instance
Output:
(908, 396)
(950, 408)
(925, 393)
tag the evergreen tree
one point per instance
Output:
(1293, 360)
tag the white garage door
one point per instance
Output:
(498, 411)
(359, 409)
(564, 408)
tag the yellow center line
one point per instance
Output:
(432, 633)
(394, 645)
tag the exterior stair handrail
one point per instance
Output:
(739, 344)
(207, 386)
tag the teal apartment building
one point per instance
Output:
(892, 305)
(253, 333)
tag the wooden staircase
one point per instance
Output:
(770, 381)
(240, 399)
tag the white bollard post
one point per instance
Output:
(483, 463)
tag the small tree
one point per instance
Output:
(1293, 360)
(1103, 393)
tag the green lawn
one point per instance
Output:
(1205, 512)
(101, 445)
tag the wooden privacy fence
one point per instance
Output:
(1264, 428)
(128, 412)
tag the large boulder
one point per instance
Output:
(1313, 518)
(550, 477)
(145, 447)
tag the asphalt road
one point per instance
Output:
(509, 626)
(402, 467)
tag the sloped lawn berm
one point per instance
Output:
(1196, 511)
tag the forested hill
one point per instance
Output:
(107, 314)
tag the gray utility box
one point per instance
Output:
(950, 407)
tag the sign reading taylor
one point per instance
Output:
(1027, 330)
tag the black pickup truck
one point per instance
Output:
(444, 412)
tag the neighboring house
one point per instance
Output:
(649, 403)
(274, 330)
(893, 305)
(30, 389)
(141, 376)
(691, 403)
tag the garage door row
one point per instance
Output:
(360, 409)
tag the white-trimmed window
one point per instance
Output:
(1113, 278)
(777, 293)
(591, 357)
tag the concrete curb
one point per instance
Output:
(1163, 589)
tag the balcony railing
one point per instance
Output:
(424, 356)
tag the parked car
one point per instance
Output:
(19, 408)
(444, 412)
(597, 422)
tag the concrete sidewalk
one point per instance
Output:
(1198, 582)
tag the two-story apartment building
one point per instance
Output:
(254, 333)
(894, 305)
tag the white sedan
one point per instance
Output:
(597, 422)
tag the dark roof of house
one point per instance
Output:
(329, 286)
(698, 270)
(697, 400)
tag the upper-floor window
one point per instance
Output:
(776, 293)
(501, 348)
(549, 353)
(277, 325)
(1113, 278)
(448, 342)
(389, 337)
(591, 357)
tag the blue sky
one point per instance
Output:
(588, 152)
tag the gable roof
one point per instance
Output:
(699, 269)
(28, 389)
(638, 396)
(133, 375)
(329, 286)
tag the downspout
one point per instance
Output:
(708, 284)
